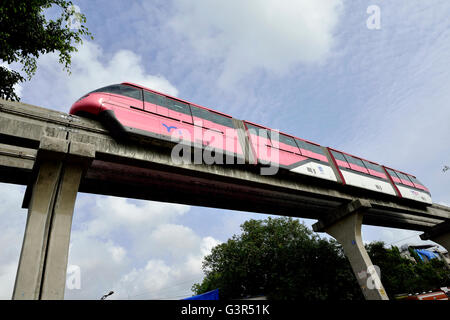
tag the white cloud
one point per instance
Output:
(159, 280)
(135, 248)
(248, 35)
(174, 239)
(91, 69)
(112, 213)
(12, 226)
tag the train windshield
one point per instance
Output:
(123, 90)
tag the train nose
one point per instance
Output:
(90, 103)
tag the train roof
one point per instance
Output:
(175, 98)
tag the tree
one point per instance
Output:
(280, 258)
(400, 275)
(25, 34)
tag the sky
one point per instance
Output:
(325, 71)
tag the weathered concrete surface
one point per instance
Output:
(32, 257)
(50, 197)
(345, 227)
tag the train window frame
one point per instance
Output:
(105, 89)
(392, 173)
(373, 166)
(212, 116)
(159, 97)
(135, 89)
(186, 107)
(352, 159)
(251, 127)
(415, 180)
(120, 91)
(337, 155)
(309, 146)
(287, 140)
(400, 174)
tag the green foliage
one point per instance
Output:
(25, 34)
(283, 259)
(280, 258)
(400, 275)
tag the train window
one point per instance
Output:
(287, 140)
(338, 156)
(212, 116)
(309, 146)
(131, 92)
(115, 88)
(392, 173)
(154, 98)
(403, 177)
(258, 130)
(178, 106)
(356, 162)
(415, 180)
(123, 90)
(373, 166)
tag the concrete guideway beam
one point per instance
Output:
(345, 227)
(439, 234)
(23, 125)
(50, 198)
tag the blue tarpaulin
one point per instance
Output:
(211, 295)
(430, 255)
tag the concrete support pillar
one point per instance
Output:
(50, 200)
(345, 227)
(439, 234)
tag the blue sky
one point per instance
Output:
(309, 68)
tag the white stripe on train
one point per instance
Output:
(316, 170)
(414, 194)
(366, 182)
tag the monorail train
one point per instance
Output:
(128, 108)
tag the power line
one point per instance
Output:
(415, 235)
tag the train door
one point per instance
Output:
(261, 142)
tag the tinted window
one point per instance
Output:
(154, 98)
(115, 88)
(392, 173)
(259, 131)
(106, 89)
(338, 156)
(178, 106)
(415, 180)
(373, 166)
(309, 146)
(211, 116)
(123, 90)
(131, 92)
(403, 176)
(287, 140)
(354, 161)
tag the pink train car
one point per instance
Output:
(130, 109)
